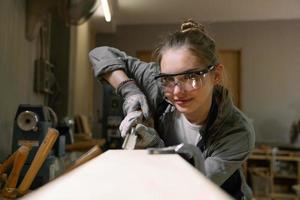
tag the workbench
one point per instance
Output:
(131, 175)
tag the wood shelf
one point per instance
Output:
(286, 176)
(272, 174)
(284, 195)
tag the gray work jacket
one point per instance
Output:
(229, 136)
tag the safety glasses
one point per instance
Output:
(188, 80)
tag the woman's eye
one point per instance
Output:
(167, 79)
(190, 76)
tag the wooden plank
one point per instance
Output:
(131, 175)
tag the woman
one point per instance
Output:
(187, 101)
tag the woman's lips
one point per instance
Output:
(182, 102)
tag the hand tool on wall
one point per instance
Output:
(92, 153)
(20, 157)
(38, 160)
(130, 140)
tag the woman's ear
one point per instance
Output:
(218, 74)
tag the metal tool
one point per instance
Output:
(130, 140)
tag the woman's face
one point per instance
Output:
(191, 103)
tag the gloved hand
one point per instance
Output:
(132, 119)
(187, 151)
(147, 137)
(134, 99)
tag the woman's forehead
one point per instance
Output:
(176, 60)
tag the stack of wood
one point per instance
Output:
(16, 161)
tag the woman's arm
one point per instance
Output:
(114, 78)
(108, 63)
(228, 154)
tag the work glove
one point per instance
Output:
(147, 137)
(189, 152)
(131, 120)
(134, 98)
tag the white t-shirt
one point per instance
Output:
(184, 131)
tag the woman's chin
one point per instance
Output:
(182, 109)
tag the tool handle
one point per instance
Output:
(7, 163)
(10, 186)
(38, 160)
(92, 153)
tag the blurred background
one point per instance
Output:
(44, 49)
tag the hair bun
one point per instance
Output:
(190, 25)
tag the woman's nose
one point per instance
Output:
(178, 89)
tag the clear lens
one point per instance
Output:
(167, 83)
(193, 83)
(187, 82)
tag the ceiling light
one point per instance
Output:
(106, 10)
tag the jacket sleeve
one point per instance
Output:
(107, 59)
(228, 155)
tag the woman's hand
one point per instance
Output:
(134, 98)
(131, 120)
(147, 137)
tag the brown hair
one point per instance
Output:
(195, 37)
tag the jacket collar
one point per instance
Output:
(220, 109)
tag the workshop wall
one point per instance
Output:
(81, 76)
(270, 66)
(270, 73)
(17, 57)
